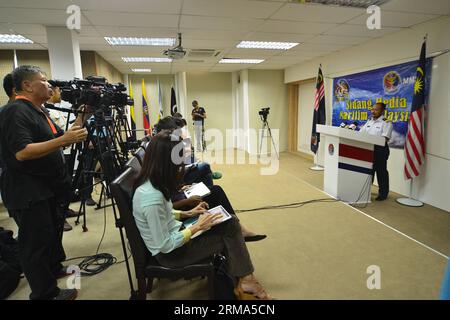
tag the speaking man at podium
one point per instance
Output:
(378, 126)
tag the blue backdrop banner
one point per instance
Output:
(355, 95)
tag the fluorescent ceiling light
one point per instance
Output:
(141, 70)
(120, 41)
(13, 38)
(266, 45)
(145, 59)
(245, 61)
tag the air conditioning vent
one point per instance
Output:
(202, 53)
(196, 61)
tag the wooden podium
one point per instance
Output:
(348, 163)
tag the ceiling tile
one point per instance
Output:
(208, 34)
(347, 40)
(102, 18)
(34, 46)
(230, 8)
(234, 24)
(36, 29)
(278, 26)
(209, 44)
(36, 16)
(441, 7)
(316, 13)
(396, 19)
(270, 36)
(144, 32)
(153, 6)
(251, 53)
(360, 31)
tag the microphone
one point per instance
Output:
(354, 126)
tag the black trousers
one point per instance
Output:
(40, 246)
(381, 155)
(225, 238)
(218, 197)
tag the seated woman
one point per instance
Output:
(162, 233)
(216, 198)
(197, 171)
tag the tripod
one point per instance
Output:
(265, 127)
(100, 146)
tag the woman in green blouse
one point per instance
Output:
(162, 231)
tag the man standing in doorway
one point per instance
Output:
(199, 116)
(378, 126)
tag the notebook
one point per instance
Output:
(219, 209)
(198, 189)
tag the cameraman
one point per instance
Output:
(36, 185)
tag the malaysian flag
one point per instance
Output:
(319, 111)
(415, 142)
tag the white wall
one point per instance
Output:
(267, 89)
(213, 91)
(433, 187)
(306, 95)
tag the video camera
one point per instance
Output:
(93, 91)
(264, 112)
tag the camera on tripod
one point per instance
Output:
(93, 91)
(263, 113)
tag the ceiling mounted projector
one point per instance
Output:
(177, 52)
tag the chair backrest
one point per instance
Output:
(122, 191)
(135, 164)
(139, 154)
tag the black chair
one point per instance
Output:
(135, 164)
(146, 266)
(139, 154)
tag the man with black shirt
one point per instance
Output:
(8, 86)
(35, 184)
(199, 116)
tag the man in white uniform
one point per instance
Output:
(378, 126)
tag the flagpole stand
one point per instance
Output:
(316, 167)
(410, 202)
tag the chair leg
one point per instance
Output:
(142, 289)
(211, 285)
(149, 285)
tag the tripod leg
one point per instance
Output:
(262, 138)
(273, 142)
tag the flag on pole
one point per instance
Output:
(319, 111)
(132, 116)
(15, 63)
(145, 113)
(415, 142)
(173, 102)
(160, 101)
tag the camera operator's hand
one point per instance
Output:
(84, 113)
(75, 134)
